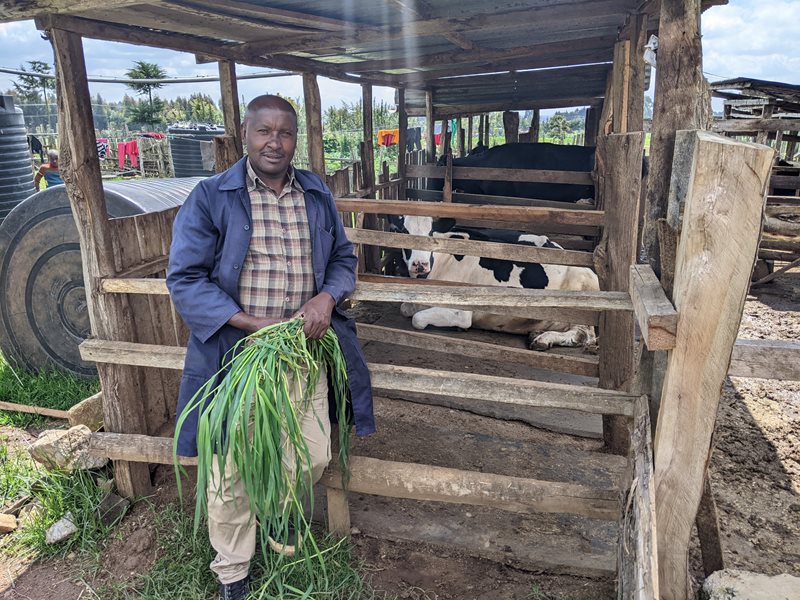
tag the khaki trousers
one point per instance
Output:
(231, 525)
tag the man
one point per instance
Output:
(252, 246)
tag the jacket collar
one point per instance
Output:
(236, 178)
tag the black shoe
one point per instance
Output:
(238, 590)
(285, 542)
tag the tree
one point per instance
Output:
(203, 110)
(36, 91)
(145, 70)
(142, 113)
(558, 127)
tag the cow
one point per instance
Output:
(490, 271)
(550, 157)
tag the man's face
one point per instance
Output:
(271, 138)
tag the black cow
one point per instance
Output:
(549, 157)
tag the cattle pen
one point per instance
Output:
(701, 208)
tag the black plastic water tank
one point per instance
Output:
(185, 143)
(43, 312)
(16, 173)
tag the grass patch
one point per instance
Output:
(48, 389)
(18, 473)
(181, 572)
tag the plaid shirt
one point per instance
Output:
(277, 275)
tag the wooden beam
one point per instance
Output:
(130, 353)
(636, 89)
(745, 125)
(577, 365)
(716, 252)
(440, 484)
(368, 160)
(461, 198)
(620, 77)
(151, 267)
(430, 131)
(108, 316)
(230, 103)
(619, 175)
(510, 214)
(402, 141)
(766, 359)
(313, 105)
(17, 11)
(682, 101)
(591, 125)
(516, 175)
(35, 410)
(511, 126)
(134, 286)
(225, 153)
(657, 318)
(514, 252)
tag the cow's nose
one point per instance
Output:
(421, 266)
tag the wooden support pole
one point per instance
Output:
(316, 149)
(402, 141)
(447, 189)
(444, 138)
(460, 138)
(430, 131)
(486, 130)
(636, 90)
(718, 245)
(123, 408)
(225, 153)
(591, 125)
(682, 101)
(481, 127)
(230, 103)
(469, 134)
(619, 173)
(511, 126)
(536, 126)
(369, 147)
(338, 512)
(621, 75)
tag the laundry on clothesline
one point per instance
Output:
(388, 137)
(207, 155)
(103, 148)
(128, 150)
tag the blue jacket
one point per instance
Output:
(210, 239)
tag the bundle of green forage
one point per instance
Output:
(249, 412)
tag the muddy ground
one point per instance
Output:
(755, 470)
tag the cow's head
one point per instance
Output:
(419, 262)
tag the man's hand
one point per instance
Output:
(249, 323)
(316, 314)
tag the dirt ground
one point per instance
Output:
(755, 470)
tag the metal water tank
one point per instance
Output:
(16, 172)
(186, 147)
(43, 312)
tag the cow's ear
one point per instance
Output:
(443, 225)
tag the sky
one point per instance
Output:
(742, 39)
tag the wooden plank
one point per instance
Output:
(511, 126)
(716, 251)
(619, 174)
(313, 106)
(637, 73)
(462, 198)
(785, 181)
(578, 365)
(620, 80)
(430, 131)
(338, 512)
(134, 286)
(441, 484)
(502, 390)
(229, 91)
(766, 359)
(225, 153)
(516, 252)
(494, 297)
(657, 318)
(510, 214)
(36, 410)
(682, 102)
(638, 546)
(410, 379)
(368, 158)
(150, 267)
(744, 125)
(107, 314)
(516, 175)
(402, 141)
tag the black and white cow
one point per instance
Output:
(550, 157)
(490, 271)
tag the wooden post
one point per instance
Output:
(620, 78)
(619, 179)
(338, 512)
(682, 101)
(511, 126)
(316, 150)
(447, 189)
(230, 103)
(716, 251)
(225, 153)
(637, 67)
(486, 122)
(460, 137)
(430, 135)
(123, 409)
(469, 133)
(536, 125)
(444, 138)
(369, 147)
(590, 129)
(402, 116)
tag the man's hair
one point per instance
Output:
(52, 154)
(269, 101)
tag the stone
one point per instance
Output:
(733, 584)
(61, 530)
(107, 485)
(66, 449)
(112, 508)
(88, 412)
(8, 523)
